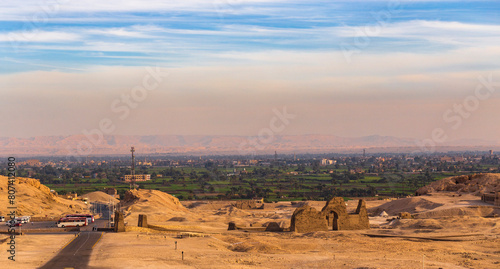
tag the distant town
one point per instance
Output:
(277, 177)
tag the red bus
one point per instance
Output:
(90, 218)
(72, 222)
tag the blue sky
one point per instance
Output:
(322, 59)
(194, 33)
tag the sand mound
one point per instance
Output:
(179, 219)
(232, 212)
(151, 199)
(479, 211)
(157, 205)
(256, 246)
(410, 205)
(195, 204)
(416, 224)
(476, 184)
(451, 224)
(35, 199)
(99, 196)
(205, 205)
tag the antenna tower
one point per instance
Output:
(132, 181)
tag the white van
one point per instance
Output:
(23, 219)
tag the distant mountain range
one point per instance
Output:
(219, 144)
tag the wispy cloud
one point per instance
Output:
(42, 65)
(456, 33)
(232, 61)
(178, 42)
(59, 8)
(37, 35)
(119, 32)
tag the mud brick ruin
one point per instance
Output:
(491, 198)
(249, 204)
(119, 222)
(333, 216)
(143, 221)
(232, 226)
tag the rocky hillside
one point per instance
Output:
(476, 184)
(35, 199)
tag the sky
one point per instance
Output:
(232, 67)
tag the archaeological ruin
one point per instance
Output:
(142, 221)
(249, 204)
(491, 198)
(119, 222)
(333, 216)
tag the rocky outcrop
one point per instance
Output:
(248, 204)
(405, 215)
(477, 184)
(35, 183)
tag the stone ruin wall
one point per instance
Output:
(333, 216)
(306, 219)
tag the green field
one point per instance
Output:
(272, 184)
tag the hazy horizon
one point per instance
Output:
(400, 68)
(254, 135)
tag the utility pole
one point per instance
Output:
(109, 213)
(132, 180)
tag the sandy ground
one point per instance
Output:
(219, 248)
(212, 246)
(287, 250)
(32, 251)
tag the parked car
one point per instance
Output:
(24, 219)
(13, 223)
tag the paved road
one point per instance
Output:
(101, 208)
(101, 223)
(77, 253)
(31, 225)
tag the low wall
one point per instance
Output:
(38, 219)
(158, 228)
(45, 230)
(356, 222)
(105, 229)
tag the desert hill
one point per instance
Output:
(35, 199)
(452, 196)
(476, 184)
(157, 205)
(437, 206)
(99, 196)
(410, 205)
